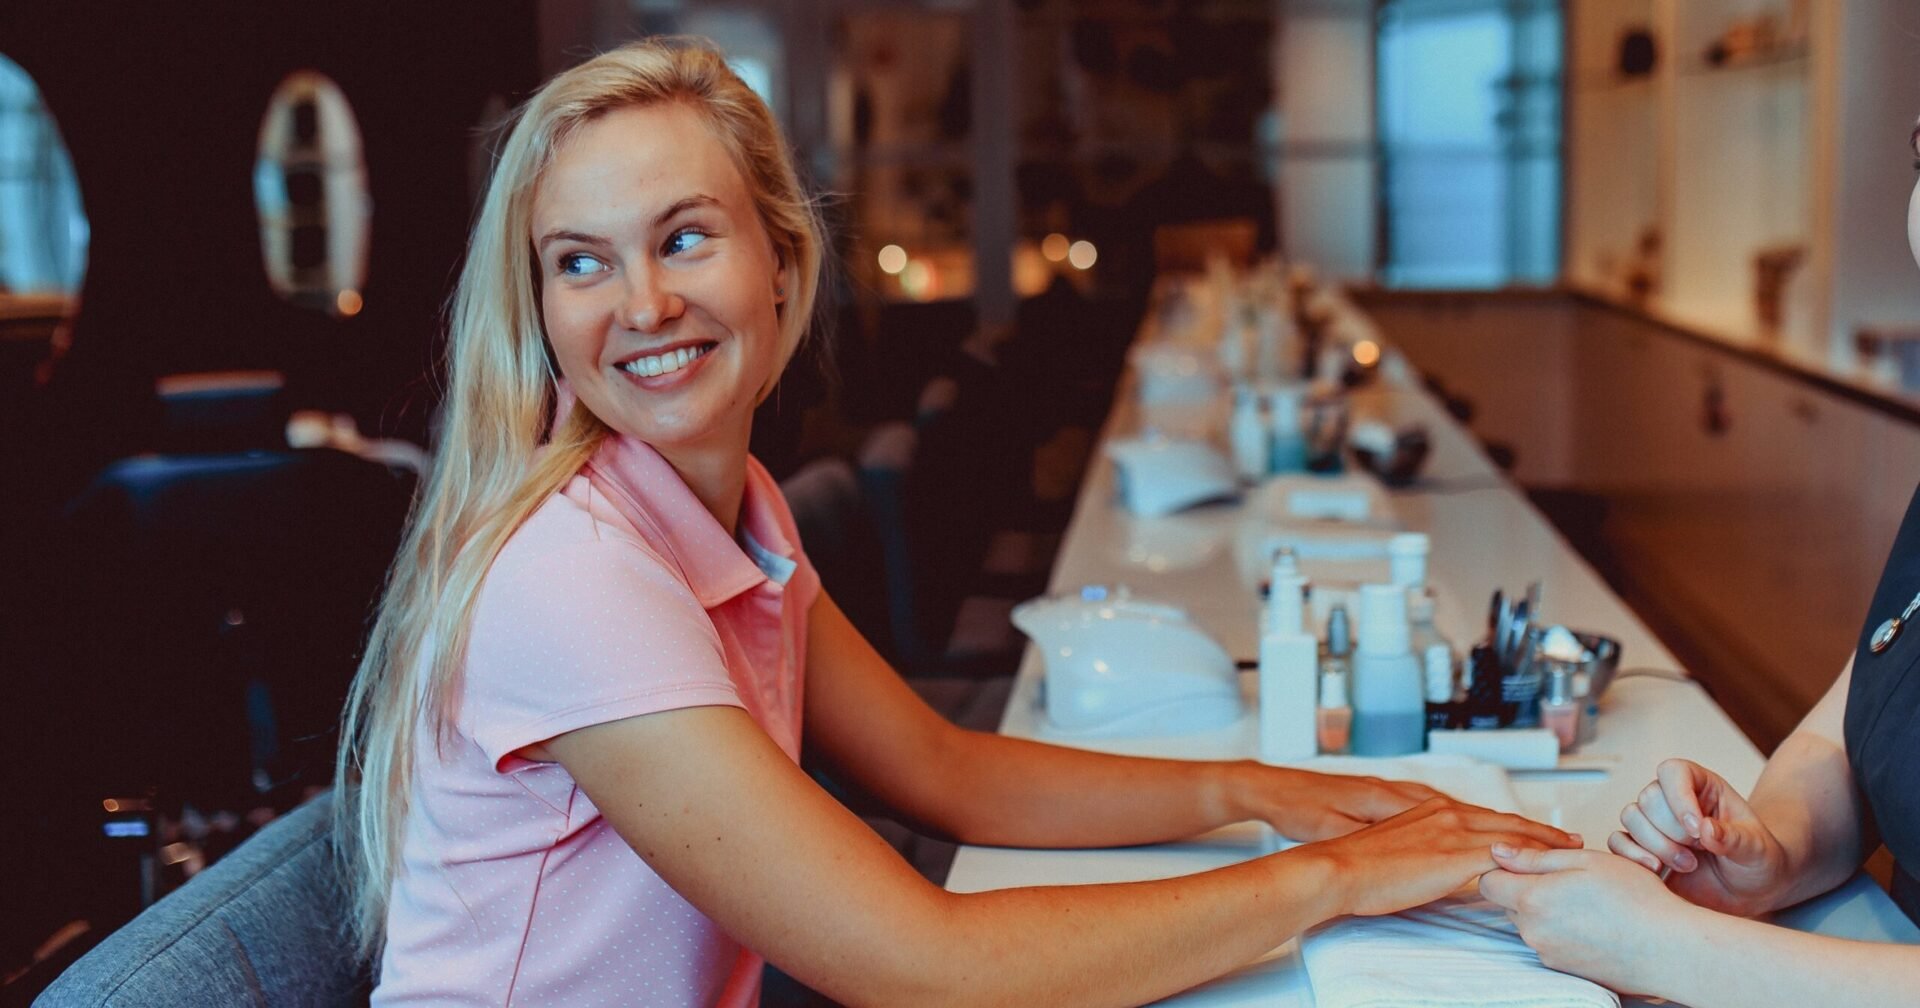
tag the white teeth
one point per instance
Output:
(666, 363)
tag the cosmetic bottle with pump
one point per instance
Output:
(1388, 689)
(1334, 720)
(1289, 674)
(1407, 560)
(1287, 449)
(1286, 567)
(1248, 437)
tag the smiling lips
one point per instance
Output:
(666, 362)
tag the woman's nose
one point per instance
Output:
(650, 302)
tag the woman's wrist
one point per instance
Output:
(1232, 792)
(1677, 943)
(1311, 877)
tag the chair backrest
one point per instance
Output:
(264, 925)
(243, 580)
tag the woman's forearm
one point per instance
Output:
(1122, 944)
(1713, 960)
(1011, 792)
(1806, 798)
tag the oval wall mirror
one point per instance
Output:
(310, 184)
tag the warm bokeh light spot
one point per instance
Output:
(1082, 254)
(1054, 247)
(1366, 353)
(917, 279)
(893, 259)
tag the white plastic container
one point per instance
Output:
(1289, 669)
(1388, 690)
(1247, 435)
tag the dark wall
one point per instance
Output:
(161, 105)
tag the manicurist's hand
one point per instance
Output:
(1588, 912)
(1302, 805)
(1691, 820)
(1424, 853)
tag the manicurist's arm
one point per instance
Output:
(1598, 915)
(989, 789)
(1807, 798)
(721, 813)
(1717, 960)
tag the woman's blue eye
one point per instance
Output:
(580, 264)
(684, 240)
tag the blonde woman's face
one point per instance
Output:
(659, 285)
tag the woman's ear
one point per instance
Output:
(780, 275)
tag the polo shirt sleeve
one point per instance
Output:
(578, 634)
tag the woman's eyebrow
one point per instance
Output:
(558, 234)
(684, 204)
(673, 209)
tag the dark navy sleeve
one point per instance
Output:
(1883, 715)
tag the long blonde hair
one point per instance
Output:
(497, 460)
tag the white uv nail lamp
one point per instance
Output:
(1160, 475)
(1120, 665)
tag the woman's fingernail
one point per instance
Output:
(1693, 823)
(1578, 840)
(1685, 861)
(1504, 849)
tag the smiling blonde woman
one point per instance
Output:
(572, 743)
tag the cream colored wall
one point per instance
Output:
(1807, 148)
(1505, 354)
(1761, 544)
(1878, 69)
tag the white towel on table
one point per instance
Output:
(1453, 953)
(1459, 952)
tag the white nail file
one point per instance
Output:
(1513, 748)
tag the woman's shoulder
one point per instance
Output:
(573, 543)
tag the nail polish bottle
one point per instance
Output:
(1333, 720)
(1559, 708)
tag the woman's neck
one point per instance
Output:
(717, 475)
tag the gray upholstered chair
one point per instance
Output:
(262, 926)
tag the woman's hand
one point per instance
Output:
(1424, 853)
(1588, 912)
(1691, 820)
(1305, 806)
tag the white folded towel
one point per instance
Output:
(1459, 952)
(1453, 953)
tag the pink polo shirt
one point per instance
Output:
(620, 596)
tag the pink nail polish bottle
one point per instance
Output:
(1559, 708)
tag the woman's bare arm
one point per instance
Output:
(990, 789)
(721, 813)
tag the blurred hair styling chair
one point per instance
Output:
(198, 642)
(267, 925)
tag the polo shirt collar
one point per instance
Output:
(649, 492)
